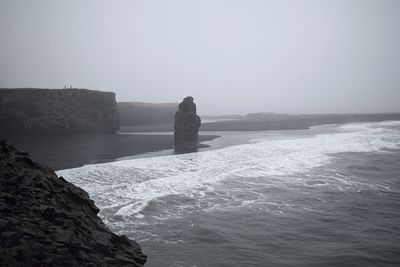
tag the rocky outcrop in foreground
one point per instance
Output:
(57, 111)
(187, 125)
(47, 221)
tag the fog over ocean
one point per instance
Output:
(207, 133)
(326, 196)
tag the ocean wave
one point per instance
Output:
(126, 188)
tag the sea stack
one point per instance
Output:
(187, 125)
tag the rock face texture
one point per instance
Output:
(47, 221)
(57, 111)
(187, 125)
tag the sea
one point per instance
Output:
(326, 196)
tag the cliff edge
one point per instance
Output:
(47, 221)
(57, 111)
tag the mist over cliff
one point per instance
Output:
(57, 111)
(139, 113)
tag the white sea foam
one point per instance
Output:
(125, 188)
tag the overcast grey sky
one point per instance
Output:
(311, 56)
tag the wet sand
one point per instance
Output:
(274, 123)
(69, 151)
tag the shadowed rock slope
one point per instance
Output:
(47, 221)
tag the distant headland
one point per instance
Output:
(28, 111)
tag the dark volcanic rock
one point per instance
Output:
(187, 125)
(47, 221)
(57, 111)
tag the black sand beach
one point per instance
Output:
(69, 151)
(272, 123)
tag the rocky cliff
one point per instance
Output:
(187, 125)
(47, 221)
(57, 111)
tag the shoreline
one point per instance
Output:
(72, 151)
(290, 122)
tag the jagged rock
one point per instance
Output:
(187, 125)
(47, 221)
(26, 111)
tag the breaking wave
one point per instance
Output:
(158, 188)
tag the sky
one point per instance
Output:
(232, 56)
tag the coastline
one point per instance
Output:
(177, 203)
(71, 151)
(289, 122)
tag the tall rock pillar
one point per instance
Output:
(187, 125)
